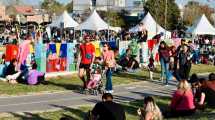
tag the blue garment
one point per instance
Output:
(165, 70)
(38, 50)
(108, 86)
(52, 48)
(63, 50)
(3, 68)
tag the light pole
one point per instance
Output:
(165, 17)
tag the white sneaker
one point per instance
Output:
(109, 91)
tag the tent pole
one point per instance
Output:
(74, 34)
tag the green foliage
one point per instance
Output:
(193, 10)
(157, 9)
(52, 6)
(112, 17)
(69, 7)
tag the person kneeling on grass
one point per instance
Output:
(150, 111)
(34, 76)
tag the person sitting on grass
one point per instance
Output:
(11, 72)
(209, 90)
(34, 76)
(108, 110)
(199, 95)
(128, 62)
(182, 103)
(150, 110)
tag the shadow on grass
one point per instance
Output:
(28, 116)
(76, 112)
(134, 76)
(67, 86)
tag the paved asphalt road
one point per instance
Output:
(52, 101)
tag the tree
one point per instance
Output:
(157, 9)
(193, 10)
(69, 7)
(52, 6)
(114, 18)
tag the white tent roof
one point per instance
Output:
(66, 19)
(151, 26)
(202, 27)
(94, 22)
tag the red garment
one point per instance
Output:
(52, 65)
(151, 44)
(63, 64)
(182, 101)
(87, 53)
(11, 52)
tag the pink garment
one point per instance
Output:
(94, 80)
(24, 50)
(177, 41)
(182, 101)
(108, 55)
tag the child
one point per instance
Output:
(95, 78)
(151, 67)
(34, 75)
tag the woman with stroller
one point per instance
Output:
(109, 63)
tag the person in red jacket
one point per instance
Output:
(85, 59)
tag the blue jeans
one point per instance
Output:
(108, 85)
(165, 70)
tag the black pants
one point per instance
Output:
(184, 71)
(41, 80)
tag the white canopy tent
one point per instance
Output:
(95, 22)
(66, 19)
(151, 26)
(202, 27)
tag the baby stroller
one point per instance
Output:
(95, 84)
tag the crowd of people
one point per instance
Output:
(98, 59)
(185, 101)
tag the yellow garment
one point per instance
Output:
(97, 48)
(58, 49)
(31, 48)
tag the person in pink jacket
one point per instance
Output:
(182, 103)
(24, 50)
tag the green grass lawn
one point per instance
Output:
(130, 108)
(73, 82)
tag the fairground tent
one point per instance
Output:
(66, 19)
(151, 25)
(202, 27)
(95, 22)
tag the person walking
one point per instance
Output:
(185, 62)
(164, 61)
(109, 62)
(85, 59)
